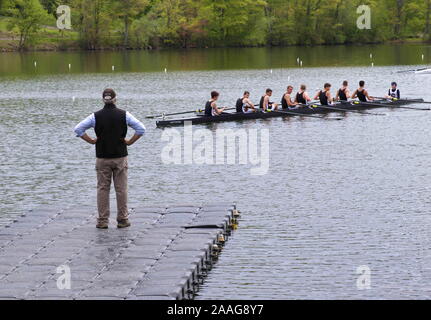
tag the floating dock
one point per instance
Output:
(59, 254)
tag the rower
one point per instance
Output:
(286, 101)
(362, 93)
(343, 93)
(265, 104)
(394, 92)
(246, 105)
(302, 96)
(325, 95)
(211, 108)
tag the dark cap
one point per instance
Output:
(109, 95)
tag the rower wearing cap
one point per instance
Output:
(265, 103)
(211, 108)
(325, 95)
(343, 94)
(362, 93)
(286, 100)
(394, 92)
(302, 96)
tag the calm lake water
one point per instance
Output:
(338, 194)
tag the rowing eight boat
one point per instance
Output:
(306, 110)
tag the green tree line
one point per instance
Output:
(216, 23)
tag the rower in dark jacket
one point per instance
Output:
(325, 95)
(211, 108)
(302, 96)
(343, 94)
(244, 104)
(265, 103)
(286, 100)
(362, 93)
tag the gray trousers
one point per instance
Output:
(108, 170)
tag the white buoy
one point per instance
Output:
(113, 68)
(371, 56)
(166, 70)
(423, 57)
(297, 60)
(301, 63)
(35, 64)
(372, 64)
(271, 71)
(70, 66)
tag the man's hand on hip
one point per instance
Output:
(87, 138)
(132, 140)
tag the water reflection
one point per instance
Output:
(22, 64)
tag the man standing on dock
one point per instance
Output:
(110, 125)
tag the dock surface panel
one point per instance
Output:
(165, 255)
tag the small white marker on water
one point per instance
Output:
(371, 56)
(35, 64)
(271, 71)
(423, 57)
(297, 60)
(113, 68)
(301, 63)
(70, 66)
(372, 64)
(166, 70)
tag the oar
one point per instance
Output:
(305, 115)
(178, 113)
(405, 71)
(347, 110)
(391, 106)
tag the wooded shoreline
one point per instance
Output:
(77, 48)
(157, 24)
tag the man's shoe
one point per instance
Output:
(102, 225)
(123, 224)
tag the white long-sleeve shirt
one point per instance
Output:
(90, 122)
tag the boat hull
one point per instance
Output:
(283, 113)
(426, 71)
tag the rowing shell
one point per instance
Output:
(424, 71)
(274, 114)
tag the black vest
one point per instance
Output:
(361, 96)
(111, 130)
(323, 98)
(261, 103)
(342, 94)
(209, 108)
(284, 104)
(239, 105)
(300, 98)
